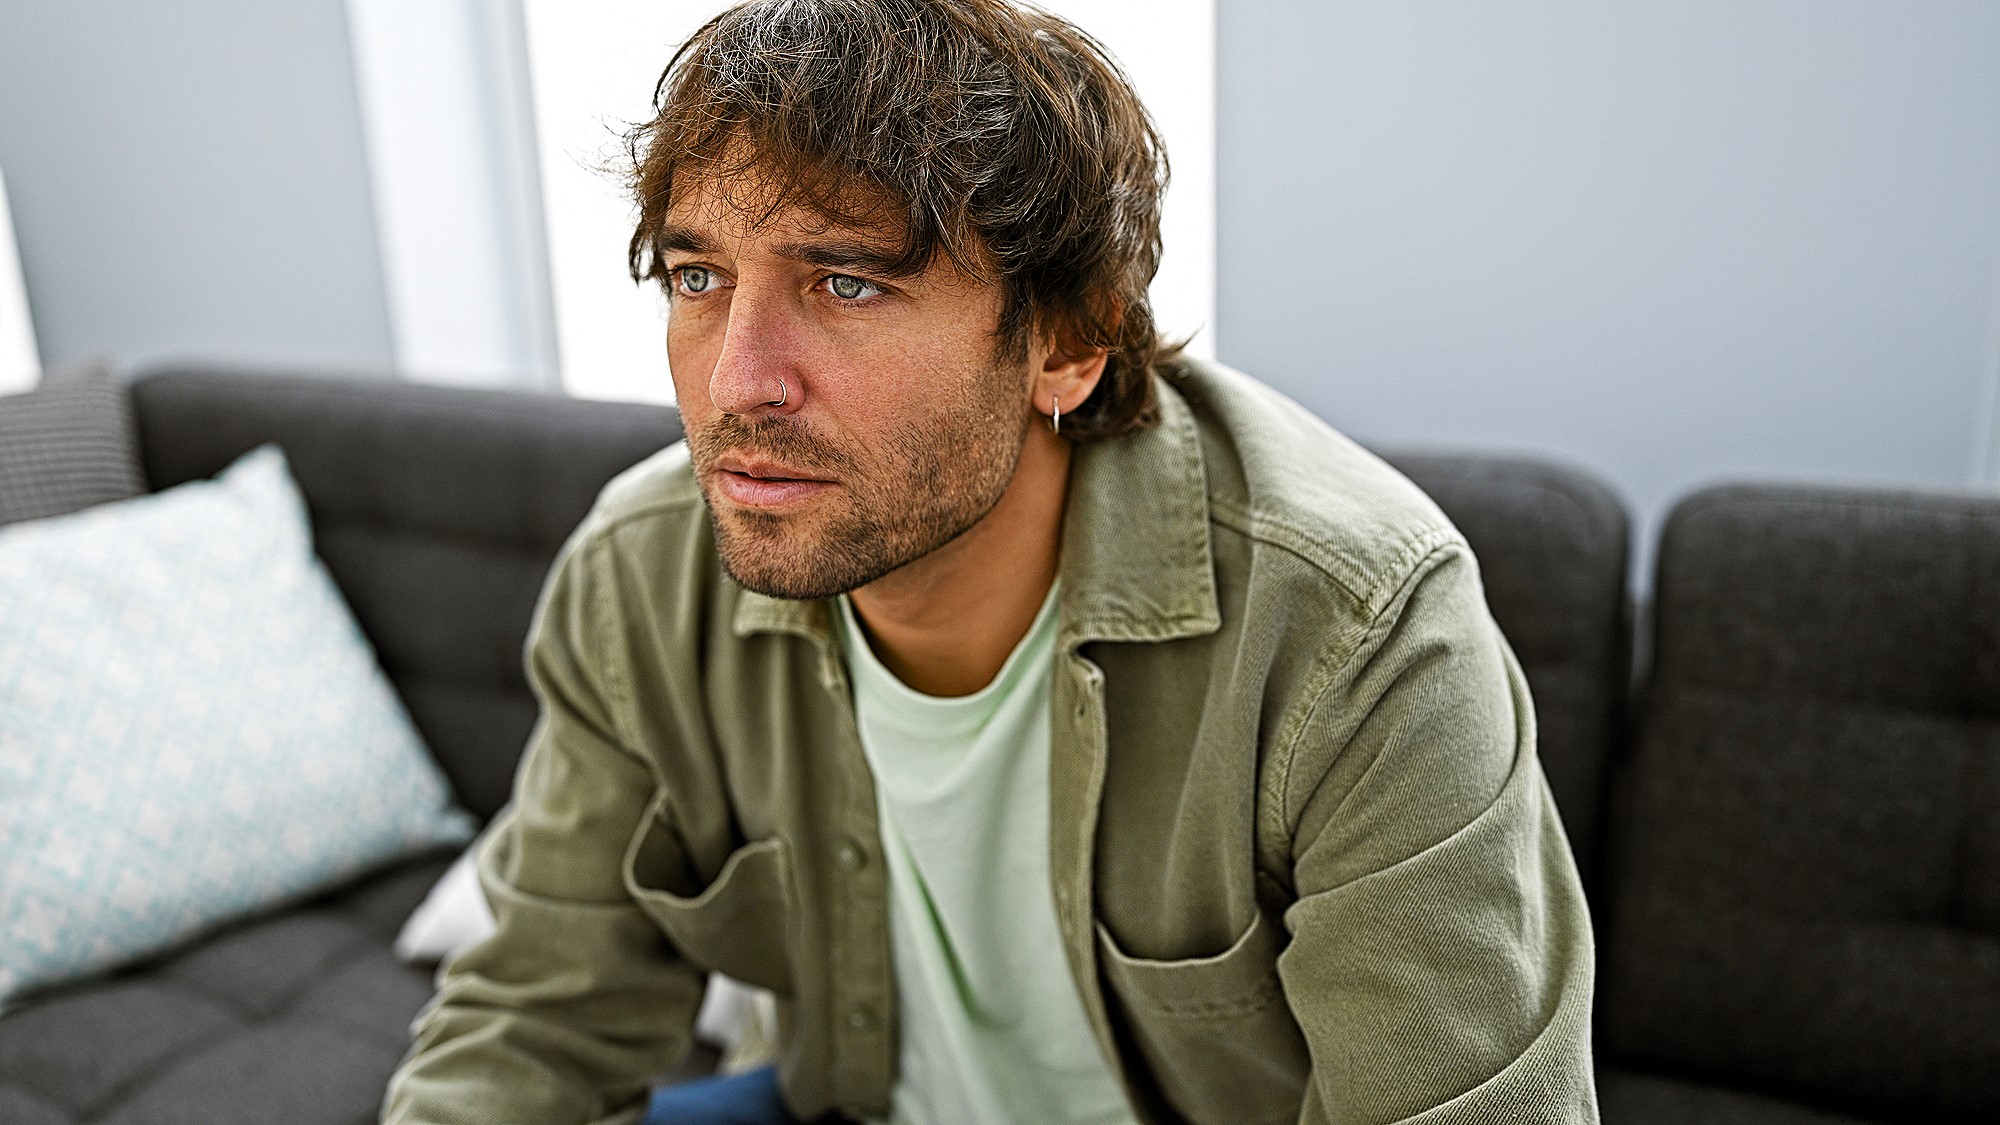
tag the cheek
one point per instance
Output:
(927, 368)
(690, 359)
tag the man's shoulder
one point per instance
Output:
(647, 537)
(658, 494)
(1284, 479)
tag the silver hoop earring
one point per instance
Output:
(1055, 414)
(784, 393)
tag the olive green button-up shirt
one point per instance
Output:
(1303, 858)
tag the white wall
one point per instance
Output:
(594, 66)
(20, 359)
(1672, 242)
(445, 101)
(189, 179)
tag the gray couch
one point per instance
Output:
(1804, 893)
(1790, 831)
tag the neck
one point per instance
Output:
(945, 623)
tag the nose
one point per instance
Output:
(755, 373)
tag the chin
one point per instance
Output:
(771, 555)
(777, 576)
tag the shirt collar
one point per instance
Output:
(1136, 560)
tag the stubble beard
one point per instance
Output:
(933, 480)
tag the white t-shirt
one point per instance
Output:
(993, 1030)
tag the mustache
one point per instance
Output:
(783, 439)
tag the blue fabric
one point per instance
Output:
(750, 1098)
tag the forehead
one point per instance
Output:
(835, 222)
(742, 204)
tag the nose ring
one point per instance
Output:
(784, 393)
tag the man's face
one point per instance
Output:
(842, 423)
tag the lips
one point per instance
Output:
(758, 483)
(762, 469)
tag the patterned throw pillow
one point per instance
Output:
(192, 727)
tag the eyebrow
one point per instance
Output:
(683, 240)
(842, 255)
(826, 255)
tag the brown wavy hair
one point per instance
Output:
(993, 133)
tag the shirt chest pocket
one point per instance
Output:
(739, 925)
(1215, 1032)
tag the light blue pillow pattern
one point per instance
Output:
(192, 727)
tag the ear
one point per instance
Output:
(1069, 373)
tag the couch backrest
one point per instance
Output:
(438, 511)
(1806, 859)
(1552, 546)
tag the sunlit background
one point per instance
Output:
(1668, 243)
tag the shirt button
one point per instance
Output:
(850, 855)
(861, 1018)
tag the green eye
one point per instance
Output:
(695, 279)
(850, 288)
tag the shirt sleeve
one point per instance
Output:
(577, 1000)
(1441, 961)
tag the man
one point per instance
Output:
(1063, 730)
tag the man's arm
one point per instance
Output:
(576, 1000)
(1441, 962)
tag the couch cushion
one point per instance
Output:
(1808, 852)
(296, 1017)
(438, 511)
(67, 445)
(1630, 1098)
(1552, 550)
